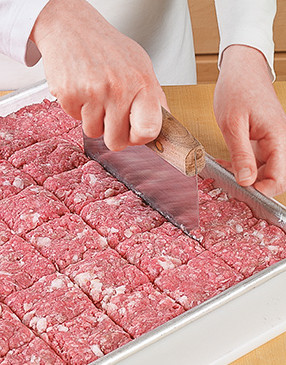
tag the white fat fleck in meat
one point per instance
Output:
(6, 183)
(62, 328)
(122, 311)
(1, 310)
(83, 278)
(75, 258)
(113, 230)
(43, 241)
(27, 306)
(238, 228)
(41, 325)
(166, 264)
(18, 183)
(96, 350)
(7, 136)
(108, 193)
(82, 233)
(36, 217)
(92, 179)
(120, 289)
(128, 233)
(79, 197)
(57, 283)
(184, 300)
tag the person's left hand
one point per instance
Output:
(252, 120)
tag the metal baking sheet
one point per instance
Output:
(223, 328)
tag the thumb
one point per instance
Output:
(242, 155)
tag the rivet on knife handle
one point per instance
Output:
(178, 146)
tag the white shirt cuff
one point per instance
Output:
(17, 20)
(247, 22)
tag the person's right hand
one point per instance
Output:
(99, 75)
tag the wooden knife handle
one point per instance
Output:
(176, 145)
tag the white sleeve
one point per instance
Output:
(247, 22)
(17, 21)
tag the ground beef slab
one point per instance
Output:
(48, 158)
(160, 249)
(52, 300)
(243, 253)
(30, 208)
(20, 266)
(12, 180)
(202, 278)
(83, 185)
(271, 237)
(222, 219)
(31, 124)
(64, 240)
(13, 333)
(35, 352)
(86, 338)
(142, 310)
(104, 274)
(5, 233)
(120, 217)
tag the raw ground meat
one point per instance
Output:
(20, 266)
(202, 278)
(52, 300)
(222, 219)
(104, 274)
(13, 333)
(142, 310)
(271, 237)
(243, 253)
(12, 180)
(83, 185)
(5, 233)
(32, 124)
(120, 217)
(75, 136)
(35, 352)
(64, 240)
(162, 248)
(86, 338)
(48, 158)
(30, 208)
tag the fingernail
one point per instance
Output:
(244, 174)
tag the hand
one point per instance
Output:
(252, 120)
(99, 75)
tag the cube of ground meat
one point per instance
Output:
(20, 266)
(86, 337)
(64, 240)
(104, 274)
(52, 300)
(5, 233)
(221, 219)
(30, 208)
(243, 253)
(75, 136)
(13, 333)
(162, 248)
(271, 237)
(202, 278)
(142, 310)
(48, 158)
(83, 185)
(120, 217)
(34, 352)
(12, 180)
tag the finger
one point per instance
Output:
(92, 120)
(272, 176)
(236, 135)
(226, 164)
(116, 127)
(145, 118)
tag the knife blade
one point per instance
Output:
(163, 172)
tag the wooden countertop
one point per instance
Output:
(192, 105)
